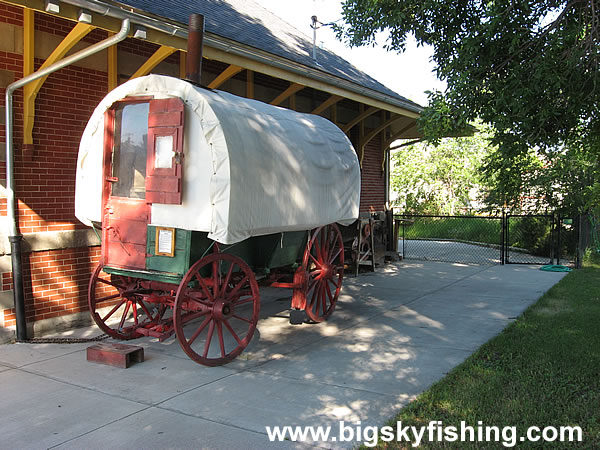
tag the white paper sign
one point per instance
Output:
(165, 241)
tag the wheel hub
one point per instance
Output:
(327, 271)
(222, 310)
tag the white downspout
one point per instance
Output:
(14, 236)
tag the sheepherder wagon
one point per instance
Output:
(199, 195)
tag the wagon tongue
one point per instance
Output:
(194, 48)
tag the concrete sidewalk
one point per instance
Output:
(393, 334)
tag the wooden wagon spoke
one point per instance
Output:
(110, 297)
(199, 330)
(338, 253)
(221, 342)
(204, 287)
(328, 291)
(111, 283)
(235, 336)
(318, 263)
(243, 302)
(192, 316)
(145, 309)
(315, 291)
(216, 275)
(241, 318)
(124, 315)
(325, 294)
(211, 330)
(226, 281)
(134, 310)
(311, 285)
(112, 311)
(317, 248)
(237, 288)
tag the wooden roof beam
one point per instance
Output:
(375, 132)
(228, 73)
(332, 100)
(157, 57)
(30, 91)
(294, 88)
(361, 116)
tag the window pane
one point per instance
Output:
(129, 158)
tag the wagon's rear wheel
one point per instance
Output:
(323, 263)
(216, 309)
(117, 304)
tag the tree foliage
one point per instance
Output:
(440, 179)
(530, 68)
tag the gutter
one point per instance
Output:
(118, 11)
(15, 237)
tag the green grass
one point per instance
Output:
(542, 370)
(464, 229)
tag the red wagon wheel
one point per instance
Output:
(216, 309)
(323, 263)
(117, 304)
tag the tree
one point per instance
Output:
(528, 68)
(441, 179)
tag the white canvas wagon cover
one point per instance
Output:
(249, 168)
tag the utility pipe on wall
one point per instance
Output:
(14, 237)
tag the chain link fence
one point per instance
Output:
(460, 239)
(507, 239)
(529, 239)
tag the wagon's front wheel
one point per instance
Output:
(118, 305)
(216, 309)
(323, 263)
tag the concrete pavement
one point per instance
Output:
(393, 334)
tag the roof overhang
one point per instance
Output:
(162, 31)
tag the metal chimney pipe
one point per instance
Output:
(193, 70)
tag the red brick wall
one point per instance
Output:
(372, 189)
(56, 283)
(11, 14)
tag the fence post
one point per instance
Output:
(552, 239)
(579, 250)
(558, 240)
(502, 241)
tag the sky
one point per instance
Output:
(409, 74)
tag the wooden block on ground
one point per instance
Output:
(118, 355)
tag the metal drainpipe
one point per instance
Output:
(15, 237)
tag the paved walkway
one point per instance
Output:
(393, 334)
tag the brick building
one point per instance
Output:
(247, 51)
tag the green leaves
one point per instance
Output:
(529, 68)
(440, 179)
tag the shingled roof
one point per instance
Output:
(248, 23)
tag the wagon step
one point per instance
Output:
(118, 355)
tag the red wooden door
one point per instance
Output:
(126, 213)
(143, 157)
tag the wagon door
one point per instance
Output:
(142, 165)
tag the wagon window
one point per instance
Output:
(130, 146)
